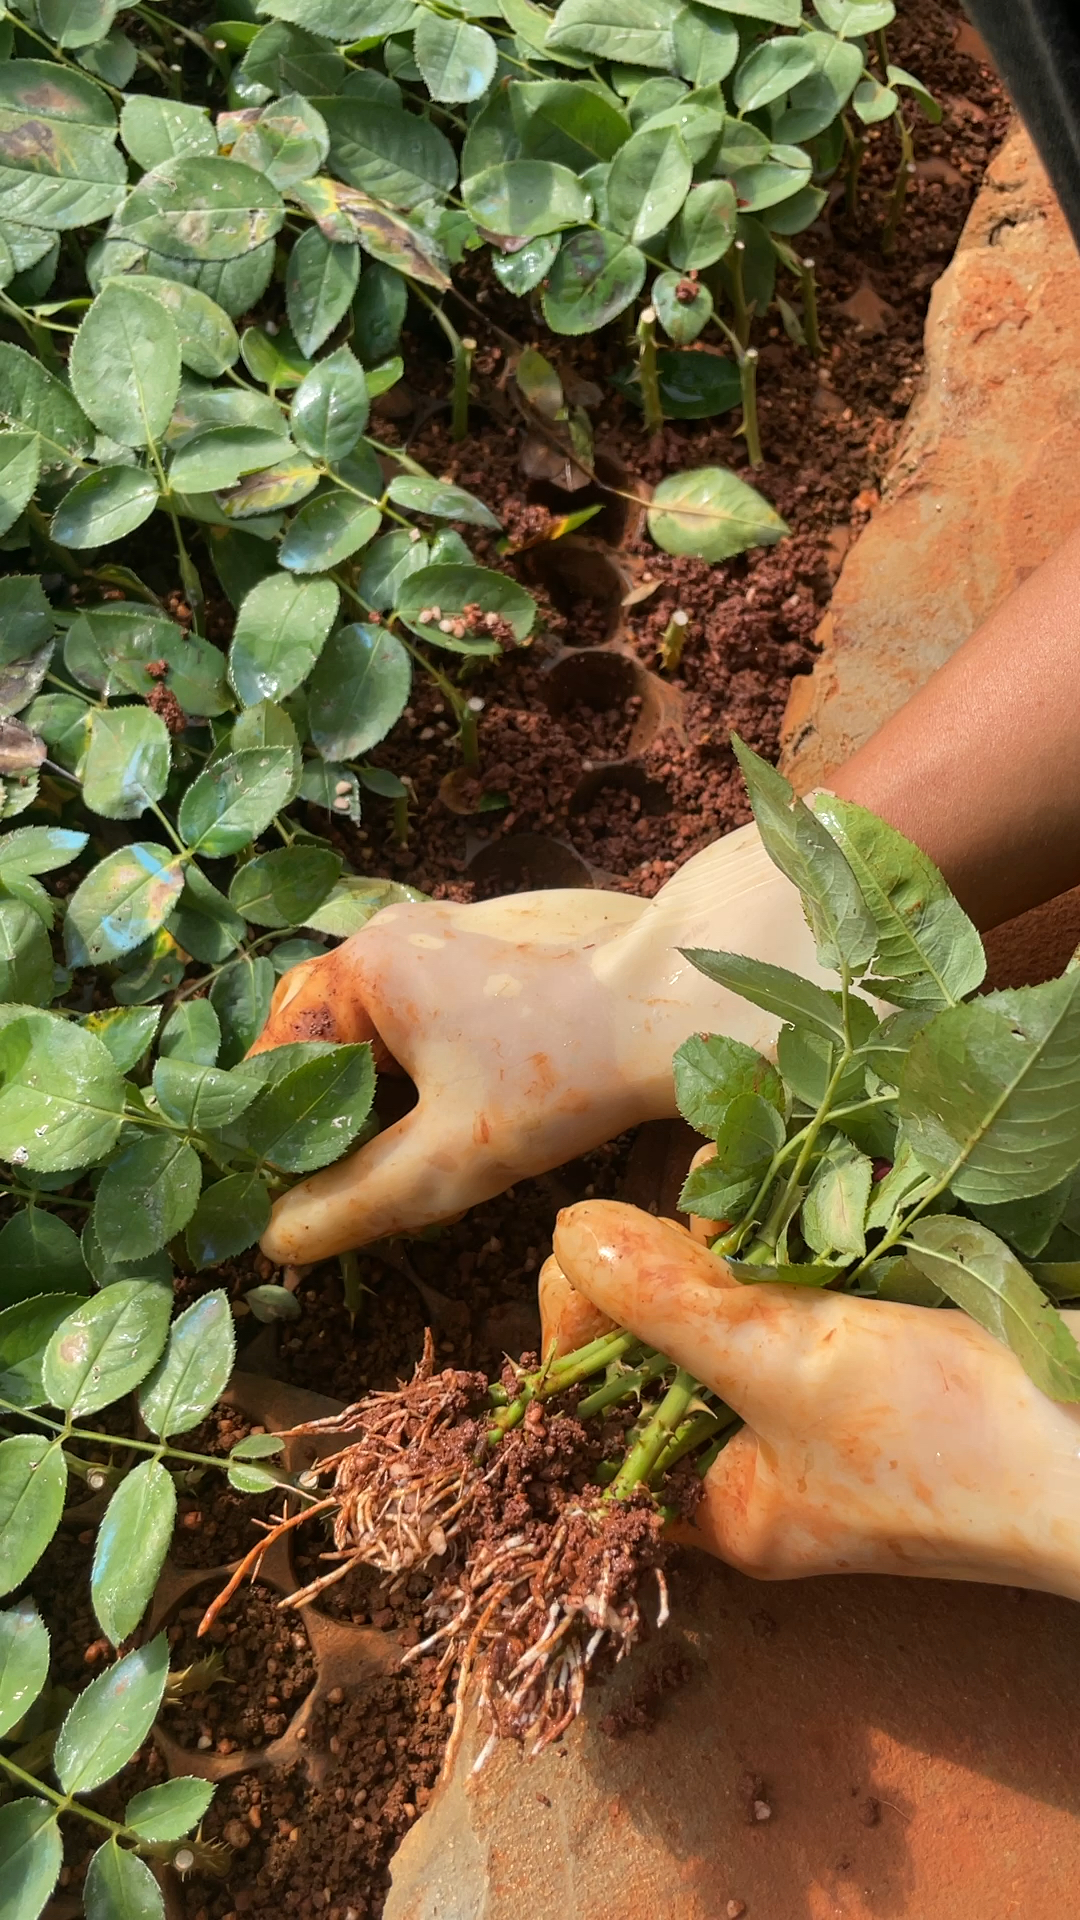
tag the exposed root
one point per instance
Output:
(536, 1577)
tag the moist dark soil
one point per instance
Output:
(318, 1841)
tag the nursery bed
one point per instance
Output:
(614, 775)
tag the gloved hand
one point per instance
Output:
(878, 1438)
(535, 1027)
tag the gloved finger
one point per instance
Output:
(324, 999)
(704, 1230)
(416, 1174)
(567, 1319)
(774, 1354)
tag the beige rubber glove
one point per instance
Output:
(535, 1027)
(878, 1438)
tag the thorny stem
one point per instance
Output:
(569, 1371)
(160, 1449)
(647, 371)
(904, 174)
(655, 1437)
(65, 1803)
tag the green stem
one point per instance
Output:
(748, 388)
(124, 1443)
(693, 1433)
(856, 147)
(673, 640)
(647, 371)
(623, 1385)
(655, 1436)
(808, 285)
(898, 196)
(569, 1371)
(461, 353)
(743, 314)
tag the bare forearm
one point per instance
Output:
(981, 768)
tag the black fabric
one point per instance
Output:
(1035, 46)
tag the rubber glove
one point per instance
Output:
(534, 1026)
(878, 1438)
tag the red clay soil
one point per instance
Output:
(302, 1848)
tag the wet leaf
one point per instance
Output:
(280, 631)
(288, 142)
(20, 465)
(33, 1481)
(61, 1097)
(125, 1031)
(330, 407)
(110, 648)
(234, 800)
(103, 1349)
(684, 308)
(230, 1217)
(32, 398)
(523, 271)
(120, 1886)
(125, 365)
(387, 565)
(241, 999)
(992, 1090)
(639, 35)
(706, 45)
(26, 624)
(770, 70)
(169, 1811)
(358, 690)
(354, 901)
(31, 1854)
(345, 213)
(217, 457)
(192, 1032)
(693, 386)
(319, 285)
(277, 487)
(76, 23)
(26, 962)
(56, 171)
(103, 507)
(710, 513)
(527, 198)
(852, 16)
(595, 277)
(282, 888)
(39, 1254)
(24, 1661)
(394, 156)
(155, 131)
(711, 1070)
(200, 208)
(451, 588)
(194, 1370)
(111, 1718)
(127, 760)
(328, 530)
(457, 60)
(310, 1116)
(649, 180)
(978, 1273)
(156, 968)
(130, 1549)
(25, 1331)
(422, 494)
(122, 901)
(147, 1194)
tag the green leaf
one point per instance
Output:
(649, 180)
(32, 398)
(76, 23)
(24, 1661)
(706, 45)
(234, 800)
(313, 1113)
(130, 1549)
(111, 1718)
(125, 365)
(33, 1481)
(782, 13)
(112, 647)
(1028, 1224)
(457, 61)
(777, 991)
(770, 70)
(281, 888)
(31, 1854)
(355, 900)
(693, 386)
(387, 565)
(710, 1070)
(120, 1886)
(147, 1194)
(126, 768)
(288, 142)
(218, 457)
(125, 898)
(192, 1032)
(358, 690)
(277, 487)
(328, 530)
(330, 407)
(27, 624)
(807, 1060)
(26, 962)
(684, 308)
(280, 632)
(156, 968)
(712, 1194)
(595, 277)
(526, 198)
(201, 208)
(25, 1332)
(29, 850)
(125, 1031)
(241, 999)
(897, 77)
(379, 310)
(928, 950)
(169, 1811)
(107, 1345)
(20, 465)
(817, 101)
(751, 1130)
(194, 1370)
(711, 514)
(108, 1268)
(56, 171)
(422, 494)
(230, 1216)
(203, 923)
(851, 16)
(154, 131)
(978, 1273)
(61, 1098)
(452, 587)
(786, 172)
(798, 843)
(640, 34)
(199, 1098)
(392, 155)
(573, 122)
(873, 102)
(818, 1274)
(319, 285)
(39, 1254)
(103, 507)
(993, 1090)
(834, 1211)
